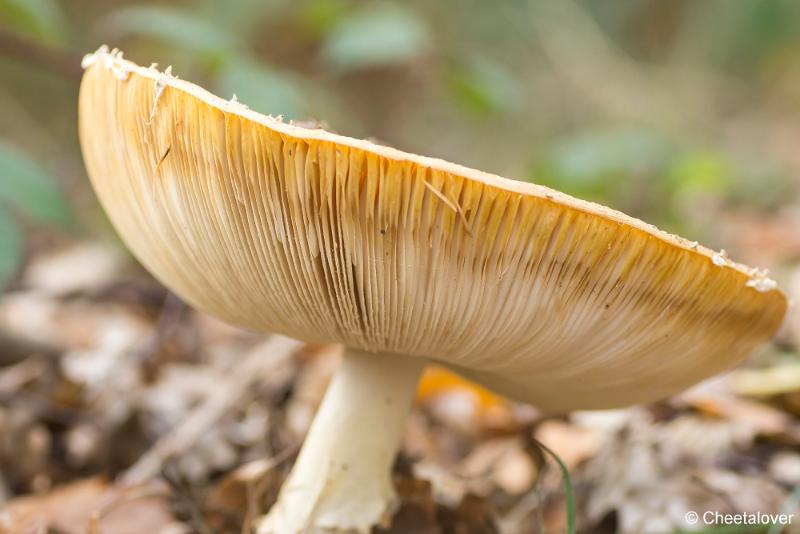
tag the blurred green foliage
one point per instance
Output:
(30, 188)
(606, 166)
(376, 35)
(30, 191)
(262, 87)
(180, 28)
(484, 87)
(666, 110)
(40, 18)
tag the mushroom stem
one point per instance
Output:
(341, 481)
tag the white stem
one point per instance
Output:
(341, 481)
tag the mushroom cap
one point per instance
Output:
(539, 296)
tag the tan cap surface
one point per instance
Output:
(540, 296)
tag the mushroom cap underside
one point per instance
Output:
(548, 299)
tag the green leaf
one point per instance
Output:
(28, 187)
(482, 87)
(179, 28)
(262, 88)
(10, 247)
(40, 18)
(241, 16)
(569, 493)
(701, 170)
(595, 164)
(381, 34)
(319, 16)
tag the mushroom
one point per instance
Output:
(403, 259)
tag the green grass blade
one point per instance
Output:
(569, 494)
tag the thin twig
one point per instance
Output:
(253, 366)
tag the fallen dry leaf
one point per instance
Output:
(81, 267)
(773, 380)
(573, 443)
(74, 508)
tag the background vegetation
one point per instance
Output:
(672, 111)
(683, 113)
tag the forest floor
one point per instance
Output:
(124, 411)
